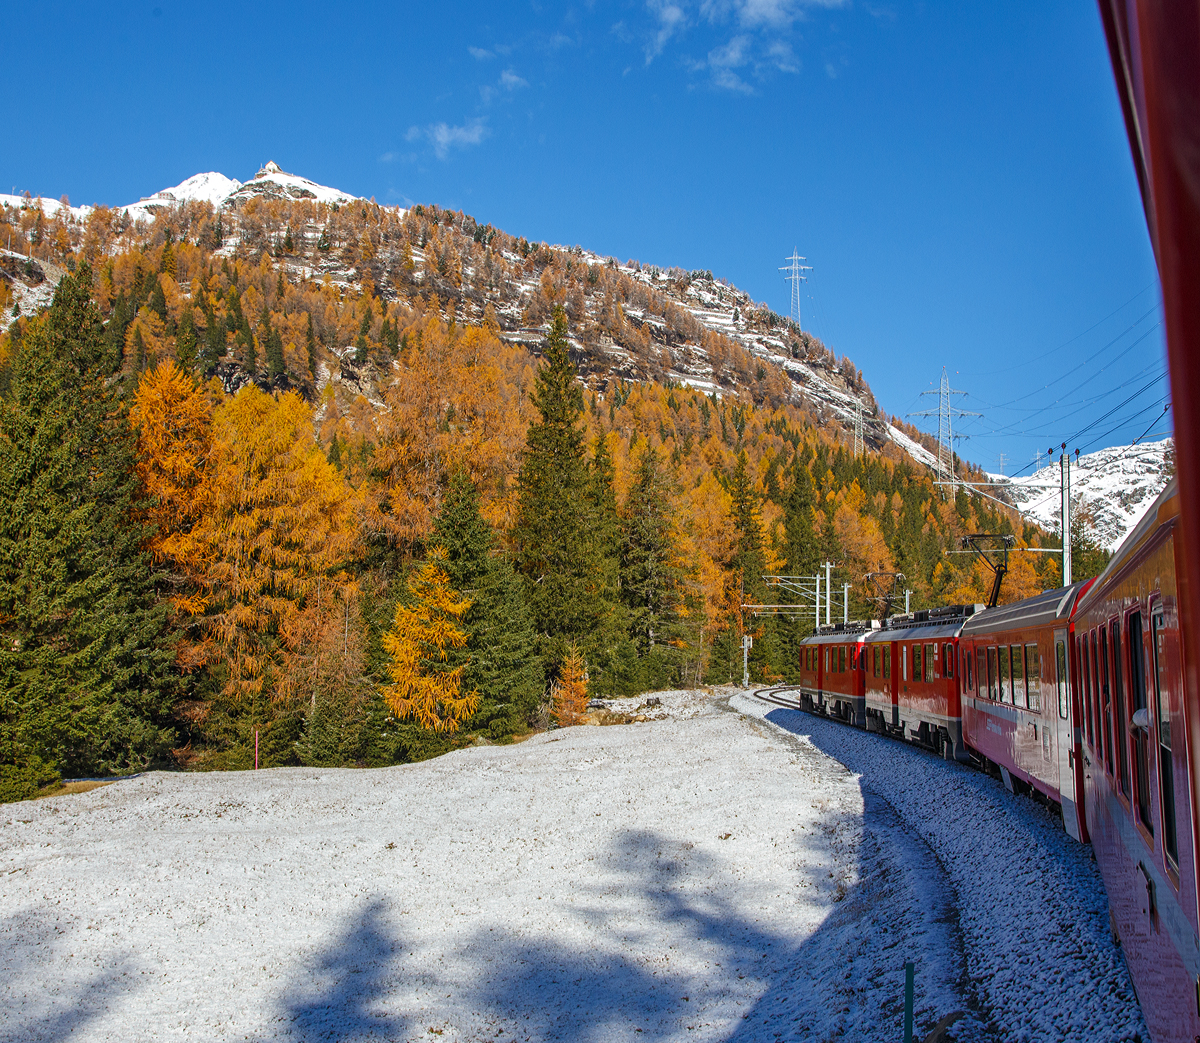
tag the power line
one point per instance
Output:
(1066, 343)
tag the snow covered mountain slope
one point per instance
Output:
(1117, 485)
(210, 187)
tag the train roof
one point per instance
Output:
(1046, 607)
(917, 631)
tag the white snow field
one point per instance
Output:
(706, 875)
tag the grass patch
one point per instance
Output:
(64, 788)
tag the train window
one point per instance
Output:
(948, 660)
(968, 660)
(887, 661)
(875, 661)
(1086, 688)
(827, 660)
(1018, 674)
(1033, 678)
(1005, 676)
(841, 659)
(993, 689)
(918, 674)
(1060, 665)
(904, 662)
(1120, 733)
(1162, 712)
(1096, 705)
(1141, 728)
(930, 662)
(981, 671)
(1106, 699)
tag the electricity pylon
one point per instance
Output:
(795, 275)
(945, 436)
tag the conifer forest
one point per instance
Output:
(279, 481)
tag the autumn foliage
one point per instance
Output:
(423, 686)
(569, 691)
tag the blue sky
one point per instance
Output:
(957, 174)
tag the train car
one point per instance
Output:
(839, 669)
(911, 684)
(1016, 702)
(1139, 803)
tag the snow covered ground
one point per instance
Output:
(1029, 906)
(704, 875)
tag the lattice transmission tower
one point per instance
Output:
(795, 275)
(945, 413)
(860, 446)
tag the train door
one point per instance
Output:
(1070, 773)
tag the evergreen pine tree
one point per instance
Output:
(551, 530)
(501, 657)
(185, 341)
(273, 345)
(85, 663)
(361, 348)
(651, 577)
(310, 342)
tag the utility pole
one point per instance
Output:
(845, 602)
(817, 606)
(906, 595)
(945, 413)
(828, 588)
(1064, 480)
(795, 275)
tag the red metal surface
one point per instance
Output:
(1153, 897)
(1015, 729)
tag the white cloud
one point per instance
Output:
(480, 53)
(671, 19)
(510, 81)
(724, 60)
(444, 137)
(759, 46)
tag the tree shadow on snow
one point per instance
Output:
(351, 979)
(678, 961)
(39, 1004)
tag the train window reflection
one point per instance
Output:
(1033, 678)
(1106, 698)
(1120, 732)
(1018, 675)
(887, 661)
(948, 660)
(981, 670)
(1005, 676)
(930, 663)
(1060, 664)
(1086, 688)
(993, 690)
(1162, 713)
(1141, 730)
(918, 667)
(967, 663)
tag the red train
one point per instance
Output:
(1077, 696)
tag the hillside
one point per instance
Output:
(630, 321)
(338, 427)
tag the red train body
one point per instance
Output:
(1078, 695)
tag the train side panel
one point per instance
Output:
(1136, 767)
(1010, 708)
